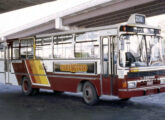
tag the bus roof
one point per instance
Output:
(116, 26)
(80, 31)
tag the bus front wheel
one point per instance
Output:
(27, 87)
(89, 94)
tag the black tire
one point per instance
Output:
(89, 94)
(57, 92)
(27, 87)
(125, 99)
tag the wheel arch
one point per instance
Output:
(80, 85)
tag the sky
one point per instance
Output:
(158, 21)
(9, 21)
(155, 20)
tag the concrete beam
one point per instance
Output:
(149, 9)
(59, 24)
(32, 31)
(49, 27)
(123, 4)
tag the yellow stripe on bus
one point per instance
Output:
(38, 69)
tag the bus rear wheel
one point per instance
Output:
(27, 87)
(89, 94)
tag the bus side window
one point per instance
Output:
(15, 49)
(64, 47)
(1, 52)
(39, 48)
(44, 48)
(16, 53)
(87, 45)
(26, 51)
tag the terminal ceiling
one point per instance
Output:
(110, 13)
(89, 18)
(9, 5)
(153, 8)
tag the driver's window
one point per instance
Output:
(134, 52)
(155, 48)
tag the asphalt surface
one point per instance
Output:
(68, 106)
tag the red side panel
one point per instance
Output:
(106, 85)
(61, 82)
(64, 83)
(20, 70)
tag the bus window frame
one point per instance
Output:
(74, 42)
(12, 50)
(144, 38)
(32, 46)
(42, 44)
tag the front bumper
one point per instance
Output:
(128, 93)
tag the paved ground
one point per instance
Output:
(47, 106)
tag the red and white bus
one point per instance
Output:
(124, 60)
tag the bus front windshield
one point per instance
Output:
(141, 51)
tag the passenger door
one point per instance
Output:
(107, 63)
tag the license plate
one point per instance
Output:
(149, 82)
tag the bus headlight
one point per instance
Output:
(162, 80)
(132, 84)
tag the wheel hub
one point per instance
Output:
(26, 86)
(88, 93)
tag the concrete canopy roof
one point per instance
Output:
(46, 21)
(90, 13)
(9, 5)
